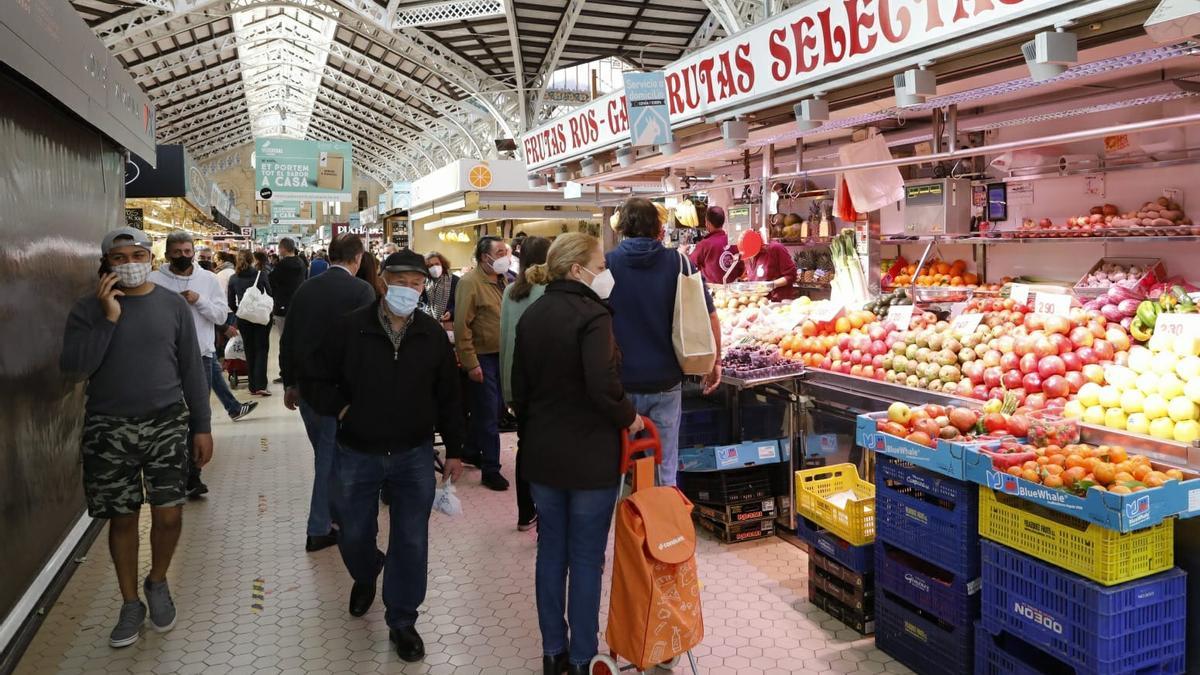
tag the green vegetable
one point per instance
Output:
(1147, 313)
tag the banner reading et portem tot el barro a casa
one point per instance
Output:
(293, 170)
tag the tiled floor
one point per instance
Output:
(479, 617)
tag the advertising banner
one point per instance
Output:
(385, 201)
(649, 115)
(401, 195)
(810, 43)
(290, 169)
(290, 213)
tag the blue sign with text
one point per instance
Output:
(646, 105)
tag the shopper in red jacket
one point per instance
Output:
(714, 248)
(774, 264)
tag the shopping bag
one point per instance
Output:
(691, 330)
(446, 501)
(255, 306)
(654, 613)
(871, 189)
(235, 349)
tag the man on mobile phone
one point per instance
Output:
(135, 345)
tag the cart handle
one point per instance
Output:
(651, 443)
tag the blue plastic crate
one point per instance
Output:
(704, 425)
(762, 419)
(932, 517)
(1006, 654)
(1098, 629)
(945, 594)
(860, 559)
(920, 640)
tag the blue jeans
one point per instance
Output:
(407, 475)
(322, 434)
(572, 535)
(664, 408)
(483, 436)
(216, 382)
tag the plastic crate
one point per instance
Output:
(726, 487)
(930, 516)
(856, 591)
(733, 533)
(1088, 549)
(761, 417)
(1006, 654)
(929, 587)
(739, 512)
(920, 640)
(854, 521)
(861, 622)
(860, 559)
(1118, 629)
(704, 425)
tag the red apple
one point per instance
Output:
(1058, 324)
(1032, 382)
(1087, 355)
(1029, 364)
(880, 374)
(992, 357)
(1006, 344)
(991, 376)
(1042, 347)
(1051, 365)
(1056, 402)
(878, 347)
(1104, 350)
(980, 392)
(1056, 386)
(973, 370)
(868, 371)
(877, 361)
(827, 364)
(1082, 337)
(964, 389)
(876, 332)
(856, 369)
(1075, 379)
(995, 393)
(1011, 379)
(1072, 361)
(1035, 401)
(856, 357)
(1062, 343)
(1035, 321)
(1010, 361)
(1096, 325)
(1024, 345)
(843, 341)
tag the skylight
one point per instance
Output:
(283, 52)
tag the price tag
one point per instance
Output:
(901, 315)
(957, 309)
(826, 312)
(1019, 293)
(965, 324)
(1178, 325)
(1052, 303)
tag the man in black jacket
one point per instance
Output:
(314, 308)
(390, 377)
(285, 277)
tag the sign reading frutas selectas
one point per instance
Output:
(303, 170)
(649, 115)
(814, 41)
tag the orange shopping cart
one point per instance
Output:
(654, 614)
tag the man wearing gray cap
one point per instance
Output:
(135, 345)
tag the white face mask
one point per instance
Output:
(602, 283)
(435, 271)
(501, 265)
(132, 274)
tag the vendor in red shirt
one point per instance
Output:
(774, 264)
(708, 253)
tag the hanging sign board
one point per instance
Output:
(290, 213)
(134, 219)
(646, 101)
(401, 195)
(812, 42)
(287, 168)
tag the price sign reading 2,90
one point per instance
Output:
(1052, 303)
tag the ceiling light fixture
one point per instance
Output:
(626, 157)
(588, 166)
(1050, 53)
(914, 85)
(811, 113)
(669, 148)
(735, 132)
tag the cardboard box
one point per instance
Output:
(739, 512)
(731, 533)
(331, 169)
(721, 457)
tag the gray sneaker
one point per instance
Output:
(129, 625)
(162, 608)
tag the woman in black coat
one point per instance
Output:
(256, 337)
(571, 410)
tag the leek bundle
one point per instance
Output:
(849, 286)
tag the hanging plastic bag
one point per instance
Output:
(871, 189)
(446, 501)
(235, 349)
(843, 204)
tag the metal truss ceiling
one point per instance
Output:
(413, 84)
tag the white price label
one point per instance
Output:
(827, 312)
(1178, 325)
(1019, 293)
(902, 315)
(957, 309)
(965, 324)
(1052, 303)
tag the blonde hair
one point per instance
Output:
(574, 248)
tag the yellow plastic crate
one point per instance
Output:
(855, 522)
(1096, 552)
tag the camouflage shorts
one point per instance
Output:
(121, 454)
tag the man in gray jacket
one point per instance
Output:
(135, 345)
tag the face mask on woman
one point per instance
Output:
(402, 300)
(132, 274)
(435, 271)
(602, 283)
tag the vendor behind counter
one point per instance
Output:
(774, 264)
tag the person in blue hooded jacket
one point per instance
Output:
(643, 302)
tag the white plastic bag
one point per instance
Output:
(235, 349)
(446, 501)
(871, 189)
(255, 305)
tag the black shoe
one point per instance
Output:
(494, 481)
(320, 541)
(555, 665)
(578, 670)
(247, 408)
(526, 524)
(409, 646)
(362, 596)
(473, 460)
(278, 380)
(196, 489)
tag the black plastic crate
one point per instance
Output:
(739, 512)
(726, 487)
(855, 591)
(859, 621)
(704, 424)
(761, 417)
(732, 533)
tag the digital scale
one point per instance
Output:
(937, 206)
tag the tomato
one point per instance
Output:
(994, 422)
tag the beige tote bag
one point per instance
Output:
(691, 332)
